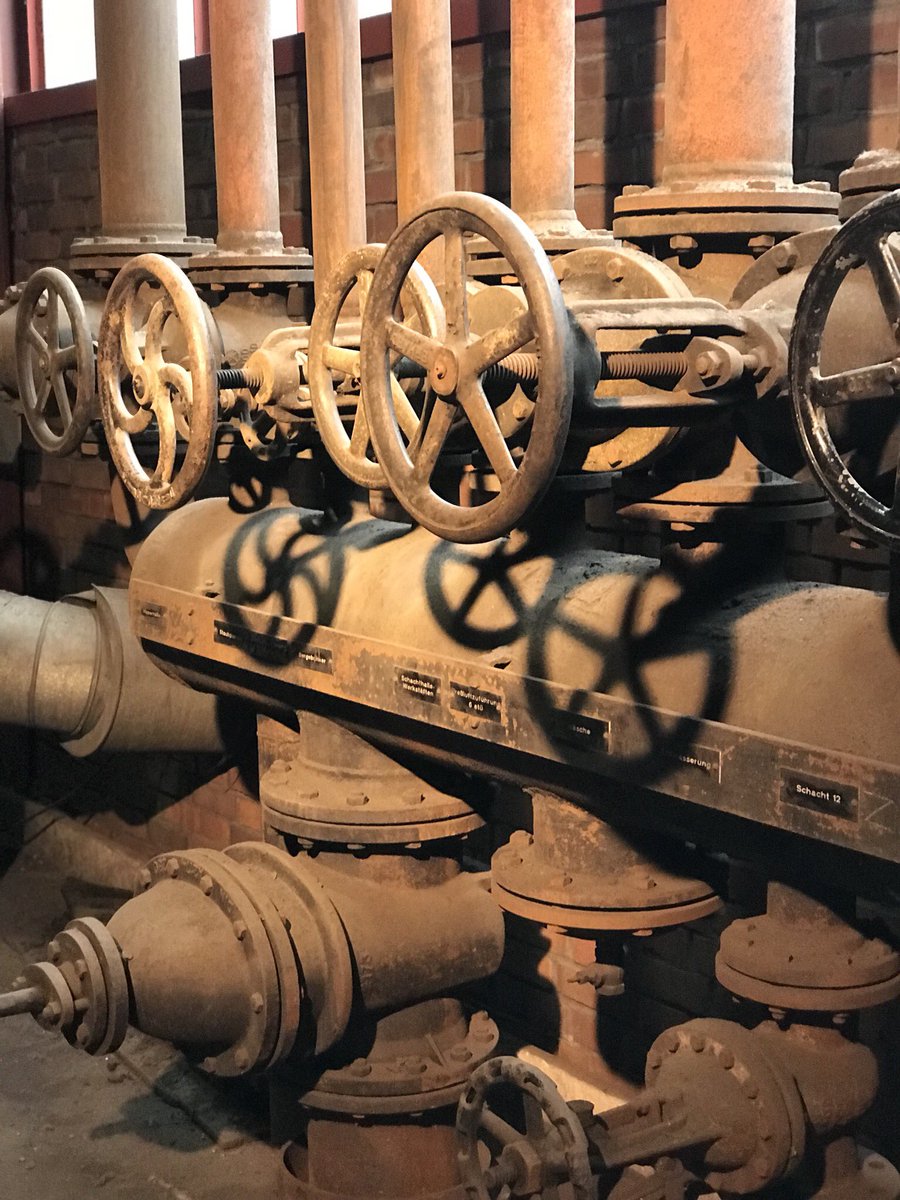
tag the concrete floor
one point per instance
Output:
(139, 1125)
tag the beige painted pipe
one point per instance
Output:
(139, 119)
(542, 114)
(423, 101)
(729, 90)
(336, 164)
(243, 90)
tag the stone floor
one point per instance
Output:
(138, 1125)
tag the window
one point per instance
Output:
(68, 42)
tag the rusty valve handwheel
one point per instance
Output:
(552, 1149)
(456, 363)
(328, 358)
(182, 399)
(49, 362)
(864, 241)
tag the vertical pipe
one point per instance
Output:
(729, 90)
(542, 115)
(336, 165)
(139, 119)
(423, 102)
(243, 88)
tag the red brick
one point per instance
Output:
(381, 186)
(468, 60)
(468, 135)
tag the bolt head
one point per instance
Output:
(242, 1060)
(240, 930)
(256, 1002)
(172, 868)
(145, 879)
(54, 951)
(206, 885)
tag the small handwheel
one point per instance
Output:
(54, 365)
(331, 354)
(864, 242)
(456, 363)
(552, 1149)
(137, 386)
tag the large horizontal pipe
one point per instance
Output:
(74, 668)
(793, 661)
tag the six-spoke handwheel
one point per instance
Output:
(140, 387)
(333, 369)
(865, 242)
(455, 365)
(552, 1149)
(54, 361)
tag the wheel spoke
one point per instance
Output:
(36, 340)
(886, 271)
(65, 358)
(410, 342)
(43, 396)
(61, 394)
(131, 355)
(53, 303)
(482, 419)
(359, 437)
(426, 446)
(848, 387)
(456, 300)
(153, 336)
(534, 1117)
(407, 417)
(497, 344)
(338, 358)
(165, 423)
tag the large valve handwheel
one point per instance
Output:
(139, 386)
(552, 1149)
(54, 364)
(329, 358)
(864, 242)
(456, 364)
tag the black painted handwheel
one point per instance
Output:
(552, 1132)
(456, 363)
(180, 396)
(330, 355)
(54, 365)
(864, 242)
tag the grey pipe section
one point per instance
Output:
(74, 668)
(139, 119)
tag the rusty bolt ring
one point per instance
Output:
(56, 990)
(541, 1088)
(851, 241)
(470, 212)
(189, 309)
(285, 999)
(408, 1077)
(383, 834)
(232, 900)
(289, 987)
(89, 1029)
(775, 1099)
(55, 283)
(422, 299)
(316, 915)
(114, 979)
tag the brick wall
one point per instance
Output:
(846, 102)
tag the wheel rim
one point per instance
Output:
(457, 363)
(183, 402)
(53, 361)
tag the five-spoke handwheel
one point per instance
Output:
(333, 369)
(865, 242)
(54, 361)
(139, 386)
(455, 365)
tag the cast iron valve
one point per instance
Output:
(865, 242)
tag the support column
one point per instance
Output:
(336, 162)
(423, 67)
(729, 97)
(139, 120)
(542, 115)
(243, 90)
